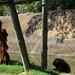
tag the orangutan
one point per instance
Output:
(3, 46)
(61, 65)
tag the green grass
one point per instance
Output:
(37, 72)
(36, 59)
(18, 69)
(11, 69)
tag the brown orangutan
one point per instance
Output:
(3, 53)
(61, 65)
(3, 46)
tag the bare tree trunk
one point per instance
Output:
(21, 43)
(44, 35)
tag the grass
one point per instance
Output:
(36, 59)
(11, 69)
(18, 69)
(37, 72)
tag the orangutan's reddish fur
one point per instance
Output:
(61, 65)
(3, 45)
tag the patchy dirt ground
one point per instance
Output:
(61, 32)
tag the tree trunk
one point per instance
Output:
(44, 35)
(21, 43)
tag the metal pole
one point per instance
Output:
(44, 35)
(19, 35)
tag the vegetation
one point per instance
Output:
(52, 5)
(37, 72)
(17, 69)
(4, 11)
(61, 4)
(11, 69)
(36, 6)
(35, 58)
(33, 7)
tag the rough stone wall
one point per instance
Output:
(61, 23)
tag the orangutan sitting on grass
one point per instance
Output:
(61, 65)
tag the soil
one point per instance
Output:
(60, 41)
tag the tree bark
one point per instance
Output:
(44, 35)
(21, 43)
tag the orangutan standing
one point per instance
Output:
(3, 45)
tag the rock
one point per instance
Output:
(73, 34)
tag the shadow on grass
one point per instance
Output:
(48, 71)
(12, 62)
(35, 67)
